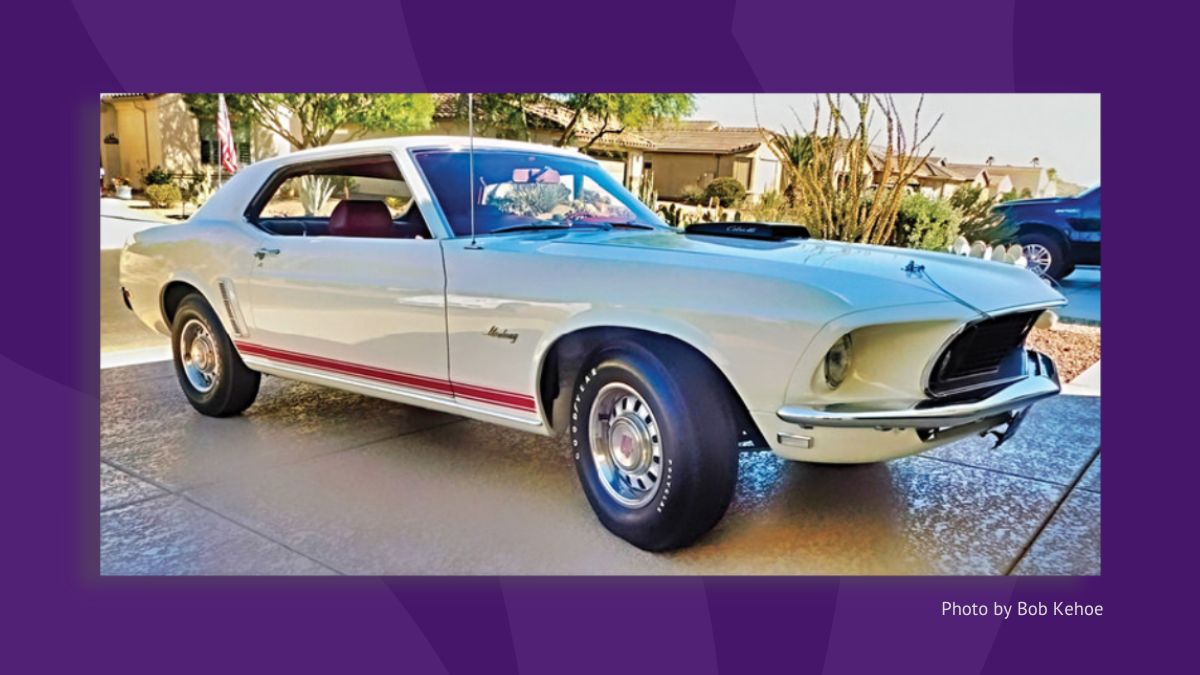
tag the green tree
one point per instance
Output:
(796, 151)
(617, 112)
(500, 115)
(310, 120)
(922, 222)
(980, 221)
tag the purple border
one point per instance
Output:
(60, 55)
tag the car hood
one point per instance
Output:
(1044, 201)
(861, 276)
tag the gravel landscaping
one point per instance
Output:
(1074, 348)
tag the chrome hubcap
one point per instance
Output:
(1038, 257)
(198, 354)
(626, 445)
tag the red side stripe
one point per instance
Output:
(457, 389)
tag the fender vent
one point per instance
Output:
(232, 312)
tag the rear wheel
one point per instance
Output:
(211, 374)
(1045, 254)
(654, 441)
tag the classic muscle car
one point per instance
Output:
(523, 285)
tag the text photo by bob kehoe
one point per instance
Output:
(599, 334)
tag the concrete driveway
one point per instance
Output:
(315, 481)
(1082, 290)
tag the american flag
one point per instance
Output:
(225, 137)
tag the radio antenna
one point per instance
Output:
(471, 159)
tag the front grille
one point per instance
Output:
(987, 352)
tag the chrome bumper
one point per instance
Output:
(1041, 382)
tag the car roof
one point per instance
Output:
(230, 201)
(372, 145)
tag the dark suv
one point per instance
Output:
(1057, 233)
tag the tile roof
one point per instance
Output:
(703, 139)
(1021, 176)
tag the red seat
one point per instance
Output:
(361, 218)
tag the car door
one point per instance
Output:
(1084, 219)
(360, 308)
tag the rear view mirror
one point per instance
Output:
(547, 176)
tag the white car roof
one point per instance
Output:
(231, 200)
(408, 142)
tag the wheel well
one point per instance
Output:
(1049, 230)
(570, 352)
(172, 295)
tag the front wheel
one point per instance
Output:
(213, 377)
(1046, 255)
(654, 441)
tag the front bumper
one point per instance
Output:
(1008, 403)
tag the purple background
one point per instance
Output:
(60, 55)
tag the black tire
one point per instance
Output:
(690, 409)
(233, 386)
(1059, 266)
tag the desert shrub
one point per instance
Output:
(156, 176)
(771, 208)
(692, 194)
(980, 221)
(726, 190)
(197, 188)
(926, 223)
(163, 196)
(313, 192)
(674, 215)
(532, 199)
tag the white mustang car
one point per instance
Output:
(522, 285)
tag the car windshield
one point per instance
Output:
(517, 191)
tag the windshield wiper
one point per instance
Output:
(633, 226)
(529, 226)
(556, 226)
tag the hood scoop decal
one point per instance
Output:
(740, 230)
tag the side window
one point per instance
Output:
(360, 197)
(311, 195)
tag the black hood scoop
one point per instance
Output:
(740, 230)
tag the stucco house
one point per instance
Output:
(687, 155)
(141, 131)
(1000, 179)
(932, 178)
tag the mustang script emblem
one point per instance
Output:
(502, 334)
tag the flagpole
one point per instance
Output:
(217, 129)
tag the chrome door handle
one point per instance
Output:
(264, 252)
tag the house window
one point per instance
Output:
(210, 149)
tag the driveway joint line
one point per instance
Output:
(1050, 516)
(269, 538)
(1002, 472)
(135, 502)
(1093, 490)
(181, 495)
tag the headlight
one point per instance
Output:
(837, 362)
